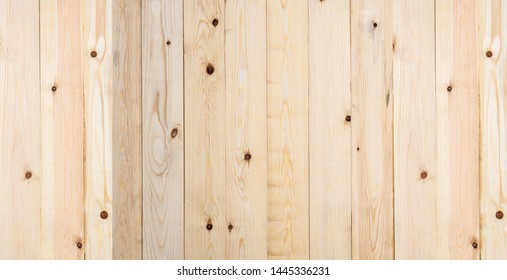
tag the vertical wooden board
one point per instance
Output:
(205, 221)
(163, 129)
(127, 133)
(62, 211)
(372, 129)
(98, 91)
(415, 165)
(492, 22)
(246, 146)
(288, 181)
(329, 132)
(20, 139)
(457, 114)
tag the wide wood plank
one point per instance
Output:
(163, 129)
(492, 22)
(329, 132)
(20, 127)
(98, 91)
(127, 133)
(372, 129)
(206, 227)
(288, 181)
(62, 131)
(457, 115)
(415, 145)
(246, 147)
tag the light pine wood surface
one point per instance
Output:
(253, 129)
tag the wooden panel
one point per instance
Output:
(20, 127)
(329, 132)
(127, 166)
(61, 86)
(98, 91)
(372, 136)
(288, 218)
(246, 146)
(492, 17)
(457, 115)
(205, 222)
(415, 165)
(163, 129)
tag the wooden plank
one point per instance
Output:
(372, 133)
(163, 129)
(62, 211)
(288, 181)
(205, 222)
(98, 91)
(457, 115)
(127, 130)
(329, 132)
(492, 21)
(246, 147)
(20, 127)
(415, 162)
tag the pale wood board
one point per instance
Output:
(20, 127)
(416, 230)
(205, 185)
(98, 91)
(372, 129)
(127, 130)
(246, 178)
(287, 113)
(457, 119)
(62, 131)
(492, 22)
(163, 129)
(329, 132)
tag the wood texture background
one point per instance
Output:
(253, 129)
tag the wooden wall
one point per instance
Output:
(253, 129)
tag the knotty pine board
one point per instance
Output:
(163, 129)
(329, 132)
(61, 87)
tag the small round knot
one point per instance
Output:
(424, 175)
(79, 245)
(53, 88)
(375, 25)
(449, 88)
(174, 132)
(104, 215)
(168, 42)
(475, 245)
(28, 174)
(210, 69)
(348, 118)
(499, 215)
(248, 156)
(209, 226)
(230, 227)
(489, 53)
(93, 54)
(215, 22)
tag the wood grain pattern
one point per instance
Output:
(62, 211)
(20, 126)
(98, 91)
(329, 132)
(127, 131)
(492, 15)
(372, 129)
(246, 147)
(457, 119)
(163, 129)
(205, 185)
(288, 181)
(415, 161)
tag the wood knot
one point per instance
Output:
(230, 227)
(28, 174)
(248, 156)
(499, 215)
(215, 22)
(93, 54)
(79, 245)
(168, 42)
(104, 215)
(424, 175)
(348, 118)
(449, 88)
(489, 53)
(209, 226)
(475, 245)
(174, 132)
(210, 69)
(53, 88)
(375, 25)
